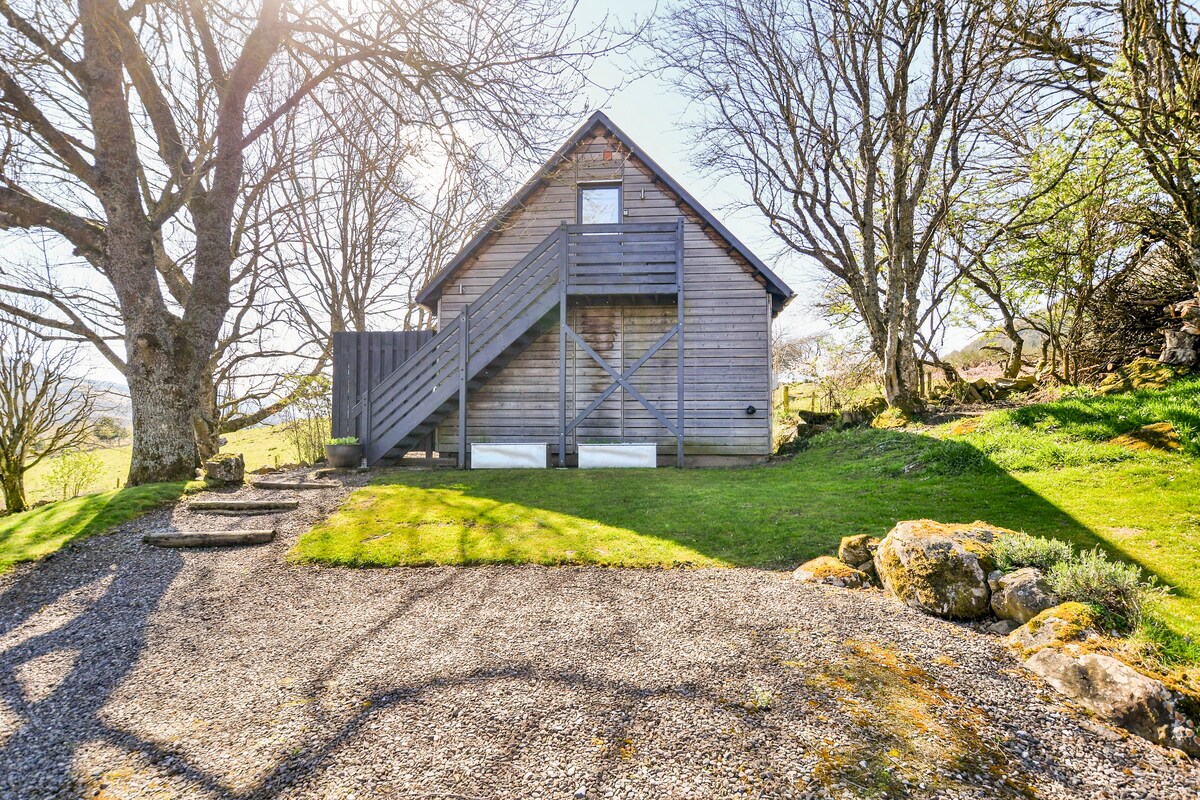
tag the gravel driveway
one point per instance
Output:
(132, 672)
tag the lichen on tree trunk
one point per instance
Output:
(163, 376)
(14, 491)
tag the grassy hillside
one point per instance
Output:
(1047, 470)
(264, 446)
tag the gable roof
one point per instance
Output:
(428, 296)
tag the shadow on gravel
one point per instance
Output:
(99, 623)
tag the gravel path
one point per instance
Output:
(132, 672)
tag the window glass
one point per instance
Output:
(599, 205)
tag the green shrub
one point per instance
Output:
(74, 473)
(344, 440)
(1116, 588)
(1016, 550)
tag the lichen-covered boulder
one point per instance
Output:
(228, 468)
(1141, 373)
(939, 568)
(828, 570)
(858, 549)
(1119, 694)
(1055, 627)
(1022, 595)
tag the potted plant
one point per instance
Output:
(343, 453)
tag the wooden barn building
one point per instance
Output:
(602, 306)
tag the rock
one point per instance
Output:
(1054, 627)
(1188, 313)
(965, 426)
(1021, 595)
(1181, 348)
(828, 570)
(1159, 436)
(1002, 627)
(1141, 373)
(1021, 383)
(856, 549)
(993, 579)
(1119, 694)
(868, 568)
(229, 468)
(891, 419)
(939, 568)
(863, 412)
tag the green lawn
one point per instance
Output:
(33, 534)
(265, 446)
(1045, 470)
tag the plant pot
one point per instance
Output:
(343, 456)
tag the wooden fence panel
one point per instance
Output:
(360, 362)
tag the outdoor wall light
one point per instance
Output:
(751, 409)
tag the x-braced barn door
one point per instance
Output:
(621, 379)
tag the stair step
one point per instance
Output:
(239, 507)
(207, 538)
(299, 486)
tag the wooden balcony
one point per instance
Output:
(636, 258)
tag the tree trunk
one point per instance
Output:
(14, 491)
(164, 382)
(208, 429)
(1012, 368)
(901, 381)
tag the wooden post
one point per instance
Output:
(679, 415)
(562, 344)
(464, 332)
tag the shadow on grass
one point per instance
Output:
(773, 516)
(34, 534)
(1105, 417)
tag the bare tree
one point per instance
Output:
(370, 218)
(45, 407)
(853, 124)
(126, 133)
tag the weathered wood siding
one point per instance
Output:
(727, 321)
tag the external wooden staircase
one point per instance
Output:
(396, 414)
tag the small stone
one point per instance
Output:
(856, 549)
(225, 468)
(1021, 595)
(1065, 623)
(830, 571)
(1002, 627)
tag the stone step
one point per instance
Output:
(299, 486)
(242, 507)
(207, 538)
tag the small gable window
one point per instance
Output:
(599, 204)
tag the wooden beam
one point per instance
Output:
(626, 385)
(679, 415)
(563, 283)
(628, 373)
(464, 334)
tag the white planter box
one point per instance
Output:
(592, 456)
(509, 456)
